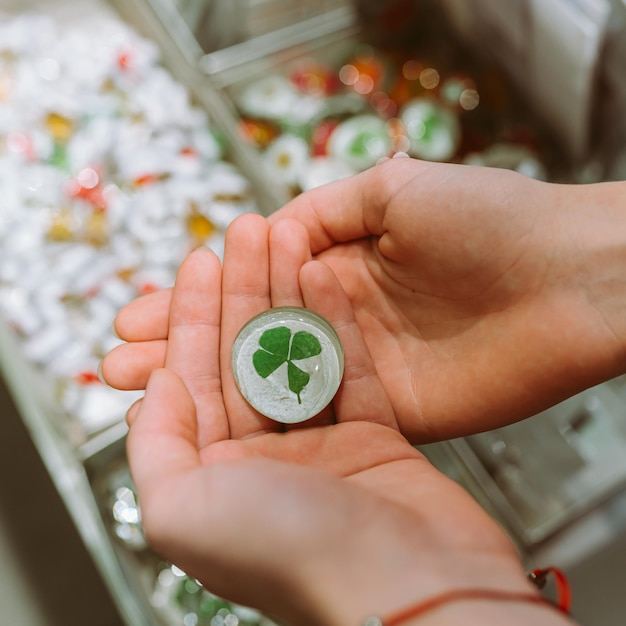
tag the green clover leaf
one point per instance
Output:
(277, 347)
(304, 346)
(298, 379)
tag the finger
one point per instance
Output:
(245, 293)
(129, 365)
(133, 411)
(361, 395)
(145, 318)
(353, 207)
(194, 339)
(289, 251)
(162, 439)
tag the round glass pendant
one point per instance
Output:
(288, 363)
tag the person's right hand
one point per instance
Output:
(483, 296)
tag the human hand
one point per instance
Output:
(483, 296)
(325, 523)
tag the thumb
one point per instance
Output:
(162, 440)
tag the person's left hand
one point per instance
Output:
(323, 523)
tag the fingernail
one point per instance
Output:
(401, 155)
(100, 375)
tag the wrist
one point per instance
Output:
(479, 611)
(592, 259)
(387, 585)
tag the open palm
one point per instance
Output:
(257, 513)
(466, 283)
(468, 287)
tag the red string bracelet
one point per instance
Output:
(563, 589)
(537, 576)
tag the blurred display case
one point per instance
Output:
(104, 118)
(328, 96)
(221, 24)
(552, 468)
(556, 481)
(553, 51)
